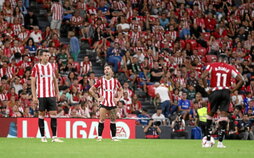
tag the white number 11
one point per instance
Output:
(224, 79)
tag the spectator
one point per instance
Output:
(16, 84)
(163, 94)
(184, 106)
(85, 108)
(86, 66)
(136, 104)
(191, 93)
(178, 128)
(244, 129)
(152, 130)
(30, 20)
(36, 35)
(74, 45)
(76, 111)
(76, 22)
(74, 97)
(30, 45)
(67, 11)
(144, 117)
(57, 13)
(114, 56)
(237, 100)
(128, 102)
(121, 110)
(232, 129)
(156, 73)
(22, 8)
(85, 83)
(158, 116)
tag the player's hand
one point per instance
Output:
(116, 100)
(208, 90)
(35, 100)
(58, 97)
(100, 99)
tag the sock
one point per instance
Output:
(113, 129)
(208, 129)
(100, 129)
(41, 126)
(53, 126)
(221, 133)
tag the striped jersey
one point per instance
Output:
(44, 75)
(57, 11)
(221, 75)
(108, 90)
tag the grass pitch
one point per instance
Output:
(136, 148)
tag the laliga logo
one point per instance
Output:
(122, 130)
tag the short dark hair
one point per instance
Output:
(41, 51)
(107, 65)
(223, 57)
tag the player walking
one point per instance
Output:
(221, 74)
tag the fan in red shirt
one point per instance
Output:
(221, 74)
(110, 92)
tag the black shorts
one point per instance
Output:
(48, 104)
(219, 99)
(107, 107)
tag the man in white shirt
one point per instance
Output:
(158, 116)
(36, 34)
(162, 92)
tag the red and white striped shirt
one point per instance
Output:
(3, 97)
(17, 49)
(108, 90)
(85, 67)
(76, 19)
(7, 52)
(16, 28)
(44, 75)
(57, 11)
(23, 35)
(5, 72)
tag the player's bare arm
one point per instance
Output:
(240, 82)
(55, 81)
(35, 99)
(92, 92)
(203, 77)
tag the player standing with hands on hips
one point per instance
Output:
(221, 74)
(110, 92)
(45, 92)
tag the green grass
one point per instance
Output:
(138, 148)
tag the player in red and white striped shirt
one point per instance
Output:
(221, 74)
(110, 92)
(44, 90)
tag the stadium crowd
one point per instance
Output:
(150, 44)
